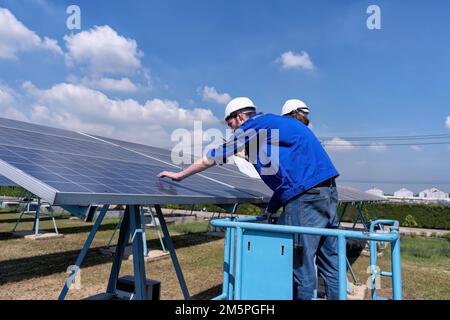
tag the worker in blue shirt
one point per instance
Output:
(293, 163)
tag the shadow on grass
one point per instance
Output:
(43, 265)
(63, 230)
(208, 294)
(29, 218)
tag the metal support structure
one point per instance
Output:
(131, 224)
(144, 228)
(232, 264)
(138, 253)
(356, 281)
(352, 273)
(36, 220)
(115, 230)
(83, 252)
(238, 275)
(157, 226)
(124, 235)
(342, 212)
(144, 236)
(396, 271)
(360, 215)
(37, 216)
(173, 255)
(342, 263)
(18, 220)
(214, 229)
(226, 262)
(50, 208)
(231, 288)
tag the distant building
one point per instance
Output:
(376, 192)
(433, 194)
(403, 193)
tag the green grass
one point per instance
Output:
(426, 250)
(191, 227)
(37, 269)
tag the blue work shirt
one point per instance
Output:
(301, 164)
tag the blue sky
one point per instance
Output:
(360, 82)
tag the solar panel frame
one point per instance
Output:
(5, 182)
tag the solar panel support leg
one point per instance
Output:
(124, 235)
(144, 237)
(115, 230)
(360, 215)
(83, 252)
(50, 208)
(173, 255)
(36, 221)
(157, 227)
(20, 219)
(342, 213)
(138, 253)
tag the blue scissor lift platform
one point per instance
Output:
(258, 258)
(266, 265)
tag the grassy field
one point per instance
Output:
(37, 269)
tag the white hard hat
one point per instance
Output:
(292, 105)
(238, 104)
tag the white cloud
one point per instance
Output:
(377, 147)
(77, 107)
(9, 104)
(52, 45)
(121, 85)
(338, 144)
(447, 122)
(416, 148)
(15, 37)
(291, 60)
(124, 85)
(102, 50)
(211, 94)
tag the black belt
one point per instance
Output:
(327, 183)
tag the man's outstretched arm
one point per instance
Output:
(198, 166)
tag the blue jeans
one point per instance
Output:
(314, 210)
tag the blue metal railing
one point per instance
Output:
(396, 271)
(235, 228)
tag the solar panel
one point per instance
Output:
(65, 167)
(347, 194)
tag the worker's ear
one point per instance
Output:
(241, 117)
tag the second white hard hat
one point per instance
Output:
(237, 104)
(292, 105)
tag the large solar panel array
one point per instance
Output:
(65, 167)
